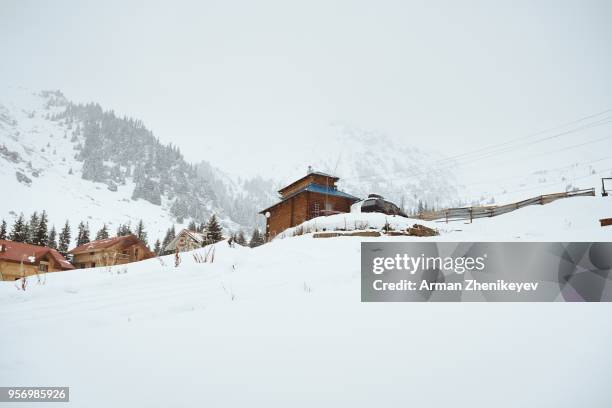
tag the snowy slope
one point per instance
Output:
(278, 326)
(372, 162)
(366, 162)
(38, 164)
(39, 171)
(242, 197)
(569, 156)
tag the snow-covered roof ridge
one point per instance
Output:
(197, 237)
(105, 243)
(21, 252)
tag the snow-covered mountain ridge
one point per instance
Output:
(110, 169)
(84, 163)
(81, 163)
(367, 162)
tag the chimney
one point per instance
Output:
(309, 169)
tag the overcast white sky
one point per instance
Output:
(260, 74)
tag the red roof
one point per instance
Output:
(30, 254)
(123, 242)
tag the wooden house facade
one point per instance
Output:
(186, 240)
(311, 196)
(110, 251)
(18, 260)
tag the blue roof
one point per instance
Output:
(318, 188)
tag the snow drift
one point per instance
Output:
(282, 324)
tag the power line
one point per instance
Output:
(532, 173)
(559, 150)
(554, 183)
(451, 165)
(505, 150)
(540, 132)
(487, 155)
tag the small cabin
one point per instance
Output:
(110, 251)
(311, 196)
(186, 240)
(18, 260)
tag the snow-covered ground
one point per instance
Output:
(283, 325)
(565, 220)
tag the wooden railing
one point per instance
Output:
(469, 213)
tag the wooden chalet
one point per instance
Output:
(186, 240)
(311, 196)
(18, 260)
(110, 251)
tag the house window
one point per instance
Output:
(82, 266)
(43, 267)
(315, 209)
(91, 253)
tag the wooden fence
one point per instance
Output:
(469, 213)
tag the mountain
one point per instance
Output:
(366, 162)
(81, 162)
(372, 162)
(241, 198)
(567, 157)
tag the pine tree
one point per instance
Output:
(124, 229)
(86, 234)
(141, 233)
(83, 234)
(51, 238)
(41, 234)
(32, 228)
(213, 230)
(79, 237)
(19, 232)
(157, 247)
(170, 235)
(256, 239)
(192, 226)
(64, 240)
(420, 207)
(102, 233)
(3, 230)
(240, 239)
